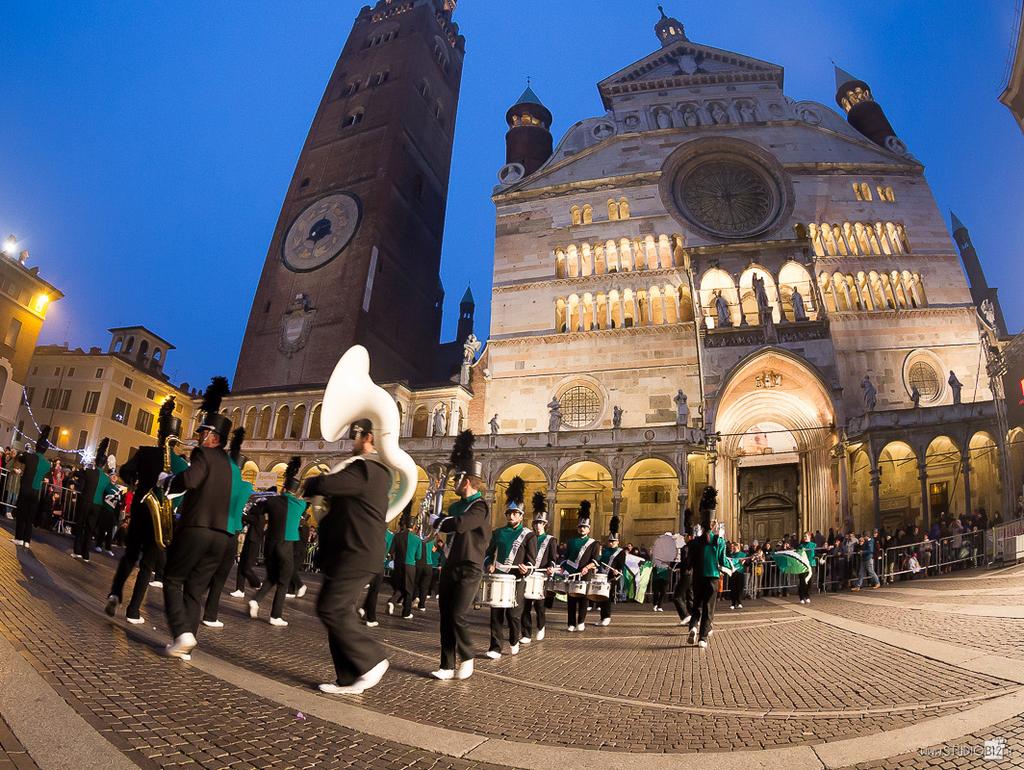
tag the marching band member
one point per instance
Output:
(468, 526)
(241, 490)
(284, 511)
(425, 567)
(613, 563)
(95, 484)
(707, 556)
(368, 612)
(580, 558)
(513, 550)
(199, 539)
(255, 520)
(405, 552)
(682, 596)
(143, 469)
(350, 555)
(546, 559)
(35, 467)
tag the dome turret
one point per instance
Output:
(669, 30)
(528, 140)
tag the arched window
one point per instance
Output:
(314, 423)
(353, 118)
(576, 215)
(130, 346)
(118, 343)
(623, 208)
(420, 422)
(601, 311)
(561, 324)
(572, 261)
(281, 423)
(575, 318)
(143, 350)
(250, 421)
(263, 427)
(560, 266)
(613, 210)
(588, 214)
(588, 312)
(298, 418)
(586, 260)
(424, 89)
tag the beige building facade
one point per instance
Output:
(88, 395)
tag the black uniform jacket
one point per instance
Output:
(469, 535)
(255, 519)
(550, 556)
(207, 487)
(276, 509)
(90, 480)
(30, 461)
(527, 553)
(618, 563)
(351, 535)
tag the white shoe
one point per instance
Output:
(73, 556)
(423, 609)
(711, 633)
(18, 542)
(525, 640)
(733, 606)
(443, 674)
(254, 609)
(372, 624)
(391, 608)
(136, 621)
(111, 608)
(289, 596)
(301, 592)
(29, 546)
(155, 584)
(692, 638)
(570, 629)
(213, 624)
(183, 645)
(372, 677)
(493, 654)
(362, 612)
(540, 634)
(465, 670)
(410, 616)
(606, 621)
(581, 627)
(514, 649)
(739, 606)
(97, 549)
(110, 553)
(237, 594)
(808, 601)
(685, 621)
(337, 689)
(703, 644)
(416, 603)
(279, 622)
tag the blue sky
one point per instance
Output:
(144, 141)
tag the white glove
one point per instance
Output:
(164, 479)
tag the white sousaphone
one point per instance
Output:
(351, 395)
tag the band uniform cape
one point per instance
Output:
(207, 486)
(468, 526)
(351, 534)
(793, 563)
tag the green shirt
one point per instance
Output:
(178, 465)
(713, 557)
(433, 555)
(737, 560)
(103, 485)
(809, 549)
(41, 470)
(502, 541)
(296, 508)
(413, 544)
(575, 546)
(241, 490)
(459, 507)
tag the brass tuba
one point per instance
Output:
(351, 395)
(159, 504)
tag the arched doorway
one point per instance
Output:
(943, 465)
(535, 481)
(581, 481)
(650, 501)
(774, 468)
(1015, 451)
(986, 481)
(899, 491)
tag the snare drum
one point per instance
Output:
(497, 591)
(576, 587)
(556, 585)
(535, 585)
(600, 588)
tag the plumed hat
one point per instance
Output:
(43, 442)
(167, 424)
(235, 446)
(584, 520)
(462, 459)
(709, 499)
(291, 474)
(101, 453)
(540, 507)
(515, 494)
(212, 418)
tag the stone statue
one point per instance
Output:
(470, 348)
(955, 385)
(763, 307)
(682, 408)
(722, 308)
(746, 110)
(690, 117)
(915, 396)
(799, 311)
(663, 119)
(494, 424)
(870, 393)
(718, 114)
(988, 312)
(616, 417)
(554, 415)
(439, 422)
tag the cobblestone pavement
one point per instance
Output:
(12, 753)
(772, 678)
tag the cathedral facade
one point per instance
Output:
(712, 282)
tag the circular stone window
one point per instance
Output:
(924, 376)
(580, 406)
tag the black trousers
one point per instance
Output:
(353, 650)
(803, 587)
(220, 577)
(659, 586)
(424, 574)
(682, 596)
(535, 606)
(705, 594)
(106, 523)
(403, 580)
(508, 620)
(140, 549)
(298, 557)
(370, 603)
(737, 582)
(192, 560)
(279, 572)
(435, 581)
(458, 586)
(25, 514)
(247, 562)
(577, 609)
(88, 516)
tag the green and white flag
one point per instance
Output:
(793, 563)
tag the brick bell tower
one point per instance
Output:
(356, 253)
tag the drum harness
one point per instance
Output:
(509, 562)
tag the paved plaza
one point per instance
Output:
(918, 674)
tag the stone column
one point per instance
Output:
(553, 520)
(684, 497)
(876, 481)
(616, 506)
(967, 480)
(926, 507)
